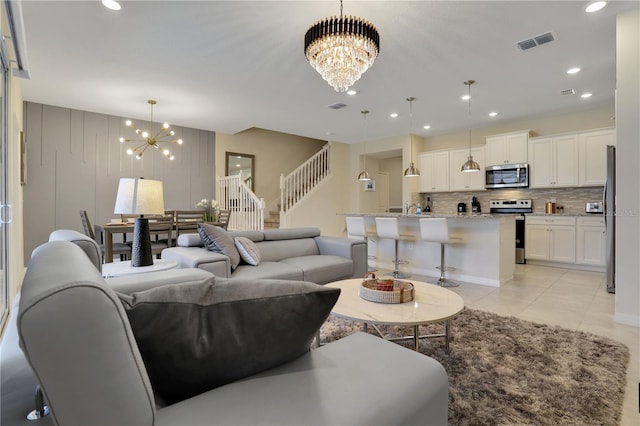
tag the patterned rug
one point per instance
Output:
(506, 371)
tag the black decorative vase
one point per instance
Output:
(141, 249)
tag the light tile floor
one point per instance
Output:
(576, 300)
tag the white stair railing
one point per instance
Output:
(303, 179)
(247, 210)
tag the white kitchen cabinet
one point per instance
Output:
(507, 148)
(593, 156)
(553, 161)
(434, 171)
(466, 181)
(591, 241)
(550, 238)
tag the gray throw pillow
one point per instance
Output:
(217, 239)
(196, 337)
(249, 251)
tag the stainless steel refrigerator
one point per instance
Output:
(609, 201)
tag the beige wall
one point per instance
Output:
(627, 173)
(276, 153)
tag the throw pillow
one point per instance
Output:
(196, 337)
(249, 251)
(217, 239)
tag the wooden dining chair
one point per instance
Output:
(223, 218)
(161, 232)
(187, 221)
(122, 249)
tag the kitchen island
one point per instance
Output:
(486, 256)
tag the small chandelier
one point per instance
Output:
(411, 171)
(470, 165)
(148, 138)
(342, 49)
(364, 175)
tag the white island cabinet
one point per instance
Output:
(486, 256)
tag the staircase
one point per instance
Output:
(272, 219)
(247, 210)
(300, 182)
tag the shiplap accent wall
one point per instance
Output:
(74, 162)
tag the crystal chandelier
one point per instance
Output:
(148, 138)
(341, 49)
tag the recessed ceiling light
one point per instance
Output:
(427, 127)
(465, 97)
(573, 70)
(111, 4)
(493, 114)
(586, 95)
(351, 92)
(393, 115)
(595, 6)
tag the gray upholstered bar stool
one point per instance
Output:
(387, 227)
(436, 230)
(357, 227)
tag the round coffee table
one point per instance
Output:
(118, 269)
(431, 304)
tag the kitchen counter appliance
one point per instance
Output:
(507, 176)
(594, 207)
(514, 207)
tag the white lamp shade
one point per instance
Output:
(139, 196)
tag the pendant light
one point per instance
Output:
(364, 175)
(470, 165)
(412, 170)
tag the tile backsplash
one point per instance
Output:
(572, 199)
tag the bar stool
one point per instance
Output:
(357, 228)
(436, 230)
(387, 227)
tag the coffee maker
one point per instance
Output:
(462, 208)
(475, 205)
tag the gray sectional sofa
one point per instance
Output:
(289, 253)
(79, 345)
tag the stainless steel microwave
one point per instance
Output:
(507, 176)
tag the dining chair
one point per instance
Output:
(223, 219)
(161, 232)
(121, 249)
(187, 221)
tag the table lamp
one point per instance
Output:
(140, 197)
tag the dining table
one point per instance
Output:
(104, 233)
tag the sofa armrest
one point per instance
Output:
(198, 257)
(356, 250)
(128, 284)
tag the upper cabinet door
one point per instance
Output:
(508, 148)
(592, 158)
(553, 161)
(466, 181)
(434, 171)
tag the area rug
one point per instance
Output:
(506, 371)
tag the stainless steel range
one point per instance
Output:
(514, 207)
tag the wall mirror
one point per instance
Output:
(243, 164)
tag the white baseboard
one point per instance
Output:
(626, 319)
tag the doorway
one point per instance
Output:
(382, 182)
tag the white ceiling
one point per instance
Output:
(231, 65)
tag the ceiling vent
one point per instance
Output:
(536, 40)
(568, 92)
(338, 105)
